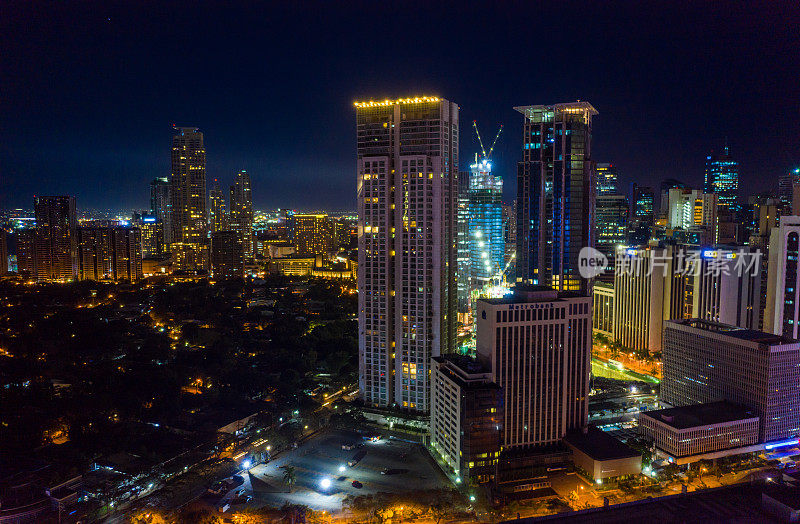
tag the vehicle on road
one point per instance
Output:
(357, 484)
(357, 458)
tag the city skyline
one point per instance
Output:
(263, 134)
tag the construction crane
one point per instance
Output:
(480, 141)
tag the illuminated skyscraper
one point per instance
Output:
(611, 227)
(606, 179)
(217, 219)
(722, 177)
(487, 245)
(160, 204)
(188, 187)
(314, 234)
(110, 253)
(786, 184)
(241, 212)
(555, 194)
(3, 252)
(152, 231)
(407, 198)
(55, 242)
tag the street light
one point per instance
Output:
(246, 464)
(342, 468)
(325, 483)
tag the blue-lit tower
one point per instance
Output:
(487, 242)
(722, 177)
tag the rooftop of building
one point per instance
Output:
(737, 503)
(526, 293)
(599, 445)
(470, 372)
(685, 417)
(568, 107)
(750, 335)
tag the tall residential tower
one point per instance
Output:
(188, 219)
(241, 212)
(407, 190)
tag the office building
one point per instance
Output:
(537, 343)
(642, 204)
(611, 224)
(188, 218)
(607, 183)
(241, 212)
(109, 253)
(707, 361)
(218, 218)
(55, 243)
(603, 308)
(407, 198)
(722, 178)
(782, 311)
(691, 207)
(465, 416)
(227, 255)
(463, 243)
(655, 284)
(786, 183)
(161, 204)
(152, 231)
(701, 431)
(314, 234)
(486, 240)
(555, 195)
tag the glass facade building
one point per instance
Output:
(555, 194)
(463, 260)
(487, 241)
(606, 179)
(722, 177)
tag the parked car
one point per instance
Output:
(357, 484)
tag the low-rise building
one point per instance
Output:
(701, 431)
(602, 456)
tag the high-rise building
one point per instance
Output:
(161, 205)
(782, 311)
(3, 252)
(642, 203)
(707, 361)
(314, 234)
(607, 179)
(109, 253)
(463, 242)
(241, 212)
(407, 198)
(227, 255)
(786, 183)
(722, 177)
(655, 284)
(486, 240)
(510, 236)
(555, 195)
(537, 343)
(188, 218)
(217, 218)
(55, 246)
(611, 225)
(465, 416)
(152, 231)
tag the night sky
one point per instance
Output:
(89, 91)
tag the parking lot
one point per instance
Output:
(389, 465)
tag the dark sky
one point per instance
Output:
(89, 91)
